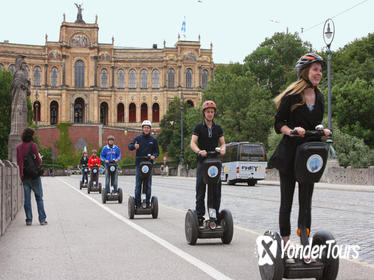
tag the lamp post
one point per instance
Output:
(182, 119)
(36, 107)
(328, 37)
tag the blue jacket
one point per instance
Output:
(110, 154)
(147, 145)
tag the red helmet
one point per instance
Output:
(209, 104)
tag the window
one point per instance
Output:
(171, 78)
(144, 79)
(104, 113)
(54, 112)
(54, 77)
(120, 113)
(120, 79)
(37, 76)
(204, 79)
(104, 78)
(78, 110)
(189, 78)
(12, 68)
(132, 112)
(155, 112)
(37, 109)
(143, 112)
(79, 74)
(132, 79)
(190, 103)
(155, 79)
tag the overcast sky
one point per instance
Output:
(235, 27)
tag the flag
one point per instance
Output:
(183, 29)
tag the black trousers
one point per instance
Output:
(200, 193)
(287, 189)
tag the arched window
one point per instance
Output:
(204, 78)
(144, 79)
(132, 112)
(79, 74)
(143, 112)
(37, 76)
(37, 108)
(12, 68)
(155, 79)
(155, 112)
(54, 77)
(171, 78)
(132, 79)
(104, 113)
(104, 78)
(190, 103)
(79, 110)
(120, 79)
(120, 113)
(54, 112)
(189, 78)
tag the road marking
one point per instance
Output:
(212, 272)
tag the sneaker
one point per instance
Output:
(28, 223)
(44, 223)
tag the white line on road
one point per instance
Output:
(212, 272)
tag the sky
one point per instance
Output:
(235, 27)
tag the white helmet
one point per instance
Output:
(146, 122)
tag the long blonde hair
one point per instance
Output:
(295, 88)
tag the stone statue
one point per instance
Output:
(79, 15)
(20, 89)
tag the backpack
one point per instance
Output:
(31, 167)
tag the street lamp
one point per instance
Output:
(328, 37)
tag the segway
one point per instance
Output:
(145, 171)
(84, 184)
(217, 226)
(112, 196)
(94, 185)
(310, 162)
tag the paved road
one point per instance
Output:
(88, 240)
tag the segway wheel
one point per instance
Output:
(103, 196)
(120, 195)
(191, 227)
(331, 264)
(100, 187)
(228, 226)
(154, 203)
(89, 188)
(131, 207)
(273, 269)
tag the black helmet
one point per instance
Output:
(110, 137)
(307, 59)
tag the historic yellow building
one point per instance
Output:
(80, 80)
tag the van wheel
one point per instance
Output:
(231, 182)
(252, 182)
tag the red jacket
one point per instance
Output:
(93, 161)
(22, 150)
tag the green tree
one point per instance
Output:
(273, 62)
(354, 104)
(5, 108)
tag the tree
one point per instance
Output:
(273, 62)
(5, 108)
(354, 103)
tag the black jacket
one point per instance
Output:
(84, 162)
(147, 145)
(284, 156)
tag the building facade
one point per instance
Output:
(82, 81)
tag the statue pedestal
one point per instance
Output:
(13, 142)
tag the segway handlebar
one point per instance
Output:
(216, 152)
(147, 157)
(317, 132)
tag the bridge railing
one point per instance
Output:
(11, 193)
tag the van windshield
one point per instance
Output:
(252, 152)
